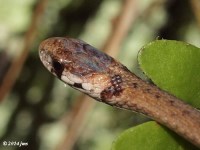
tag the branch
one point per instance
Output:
(196, 7)
(17, 64)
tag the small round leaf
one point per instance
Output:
(174, 67)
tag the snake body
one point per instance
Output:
(91, 71)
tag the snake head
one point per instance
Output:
(76, 63)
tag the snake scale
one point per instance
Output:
(100, 76)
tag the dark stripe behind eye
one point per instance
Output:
(58, 68)
(78, 85)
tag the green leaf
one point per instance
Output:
(150, 136)
(174, 67)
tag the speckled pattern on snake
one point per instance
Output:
(93, 72)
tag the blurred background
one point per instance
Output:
(38, 109)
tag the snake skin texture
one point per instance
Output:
(91, 71)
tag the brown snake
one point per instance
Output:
(91, 71)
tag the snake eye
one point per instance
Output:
(58, 67)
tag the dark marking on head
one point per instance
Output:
(157, 96)
(107, 93)
(171, 102)
(135, 85)
(57, 68)
(97, 55)
(78, 85)
(185, 112)
(87, 47)
(114, 90)
(148, 90)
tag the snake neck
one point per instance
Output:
(130, 92)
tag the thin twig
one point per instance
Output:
(196, 9)
(121, 27)
(18, 62)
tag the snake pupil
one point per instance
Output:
(58, 68)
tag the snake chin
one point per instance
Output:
(92, 85)
(66, 80)
(87, 86)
